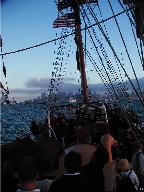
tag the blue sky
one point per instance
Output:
(27, 23)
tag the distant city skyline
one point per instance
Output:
(34, 93)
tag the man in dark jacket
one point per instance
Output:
(72, 180)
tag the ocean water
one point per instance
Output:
(16, 119)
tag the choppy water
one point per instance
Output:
(16, 119)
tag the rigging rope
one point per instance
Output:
(122, 81)
(102, 50)
(4, 91)
(108, 62)
(99, 72)
(125, 48)
(112, 48)
(113, 87)
(131, 20)
(142, 53)
(132, 24)
(65, 36)
(100, 61)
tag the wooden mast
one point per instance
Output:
(80, 50)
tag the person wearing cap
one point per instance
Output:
(124, 168)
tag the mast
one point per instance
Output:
(80, 51)
(75, 5)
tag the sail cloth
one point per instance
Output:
(67, 20)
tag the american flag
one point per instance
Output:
(67, 20)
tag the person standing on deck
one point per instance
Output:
(73, 180)
(109, 169)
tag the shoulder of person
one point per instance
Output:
(44, 184)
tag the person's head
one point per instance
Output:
(123, 165)
(72, 162)
(107, 142)
(140, 146)
(27, 170)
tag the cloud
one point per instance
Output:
(26, 91)
(69, 80)
(45, 82)
(37, 83)
(37, 86)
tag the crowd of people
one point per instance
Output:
(116, 165)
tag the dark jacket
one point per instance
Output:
(72, 183)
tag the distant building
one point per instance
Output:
(43, 96)
(72, 100)
(38, 98)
